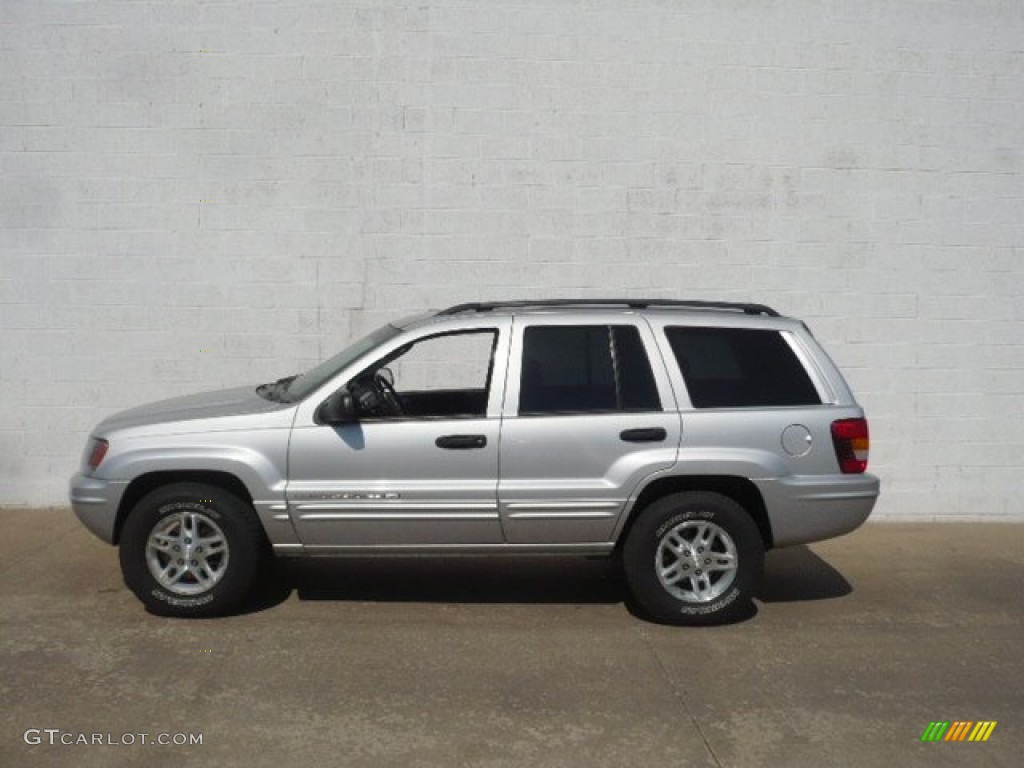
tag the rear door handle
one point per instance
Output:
(461, 442)
(649, 435)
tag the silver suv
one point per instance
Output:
(685, 437)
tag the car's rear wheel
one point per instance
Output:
(694, 558)
(190, 550)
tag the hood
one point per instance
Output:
(238, 401)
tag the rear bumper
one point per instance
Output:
(95, 502)
(802, 509)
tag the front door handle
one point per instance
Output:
(649, 435)
(461, 442)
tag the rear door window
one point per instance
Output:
(740, 368)
(585, 369)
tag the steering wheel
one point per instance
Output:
(388, 395)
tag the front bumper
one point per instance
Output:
(809, 508)
(95, 502)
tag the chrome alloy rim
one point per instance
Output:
(696, 561)
(187, 553)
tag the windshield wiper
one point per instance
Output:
(276, 390)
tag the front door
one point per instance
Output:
(420, 465)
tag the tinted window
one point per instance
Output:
(582, 368)
(636, 381)
(737, 367)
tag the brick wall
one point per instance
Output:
(205, 194)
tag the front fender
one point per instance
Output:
(257, 459)
(262, 476)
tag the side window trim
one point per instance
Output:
(613, 353)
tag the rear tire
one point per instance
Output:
(694, 558)
(191, 550)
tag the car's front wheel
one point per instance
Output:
(693, 558)
(190, 550)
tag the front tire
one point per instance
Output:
(191, 550)
(694, 558)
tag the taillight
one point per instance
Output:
(850, 437)
(99, 450)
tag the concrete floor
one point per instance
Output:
(857, 644)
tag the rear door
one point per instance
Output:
(586, 418)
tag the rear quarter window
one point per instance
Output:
(739, 368)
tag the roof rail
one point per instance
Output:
(487, 306)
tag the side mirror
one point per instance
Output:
(339, 408)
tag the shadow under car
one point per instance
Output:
(793, 574)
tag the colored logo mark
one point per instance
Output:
(959, 730)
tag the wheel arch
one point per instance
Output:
(739, 489)
(150, 481)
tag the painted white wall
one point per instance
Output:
(198, 194)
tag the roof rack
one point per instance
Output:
(487, 306)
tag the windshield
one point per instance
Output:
(307, 382)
